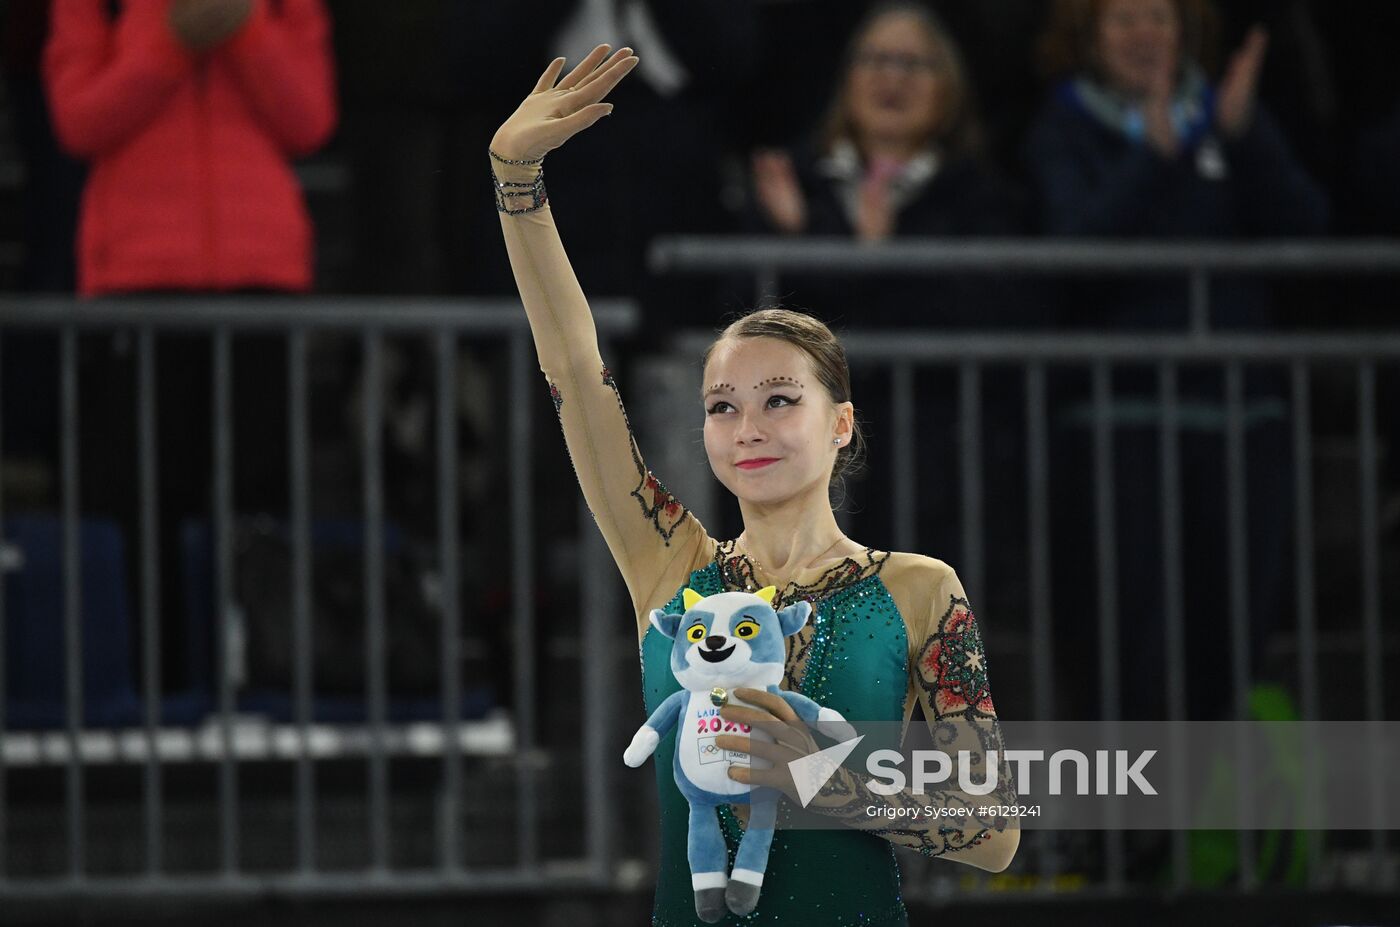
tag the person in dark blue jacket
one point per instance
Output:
(1137, 142)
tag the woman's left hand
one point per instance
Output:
(792, 740)
(1234, 108)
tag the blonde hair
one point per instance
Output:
(828, 356)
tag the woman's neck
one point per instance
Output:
(897, 149)
(787, 538)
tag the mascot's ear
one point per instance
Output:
(666, 624)
(689, 597)
(792, 618)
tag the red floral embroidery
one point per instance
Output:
(660, 498)
(954, 664)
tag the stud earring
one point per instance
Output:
(835, 440)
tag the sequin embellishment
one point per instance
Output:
(953, 666)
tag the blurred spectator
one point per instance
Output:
(188, 113)
(1137, 142)
(897, 154)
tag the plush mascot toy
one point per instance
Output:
(722, 642)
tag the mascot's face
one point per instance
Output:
(729, 639)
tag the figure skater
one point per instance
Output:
(890, 630)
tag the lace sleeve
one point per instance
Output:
(950, 676)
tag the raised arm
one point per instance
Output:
(651, 535)
(106, 84)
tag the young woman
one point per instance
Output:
(889, 630)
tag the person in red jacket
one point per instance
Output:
(188, 112)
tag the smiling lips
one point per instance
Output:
(756, 463)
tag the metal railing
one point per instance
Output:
(905, 355)
(229, 739)
(769, 257)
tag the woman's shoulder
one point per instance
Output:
(914, 571)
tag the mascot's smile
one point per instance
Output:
(715, 656)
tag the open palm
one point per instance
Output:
(554, 113)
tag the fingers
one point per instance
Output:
(794, 737)
(774, 753)
(1256, 42)
(603, 68)
(605, 79)
(584, 68)
(779, 708)
(577, 122)
(1250, 58)
(549, 76)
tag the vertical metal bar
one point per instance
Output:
(1038, 495)
(228, 634)
(300, 465)
(72, 600)
(970, 421)
(1042, 639)
(450, 853)
(522, 592)
(4, 800)
(595, 585)
(1306, 594)
(1173, 606)
(1237, 513)
(1371, 603)
(374, 601)
(1200, 301)
(597, 685)
(905, 486)
(146, 413)
(1106, 536)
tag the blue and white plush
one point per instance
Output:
(725, 641)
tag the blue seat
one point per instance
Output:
(35, 677)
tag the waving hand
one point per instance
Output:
(554, 113)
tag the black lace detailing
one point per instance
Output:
(737, 573)
(659, 506)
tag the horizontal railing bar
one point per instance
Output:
(550, 877)
(477, 316)
(926, 346)
(1021, 255)
(253, 742)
